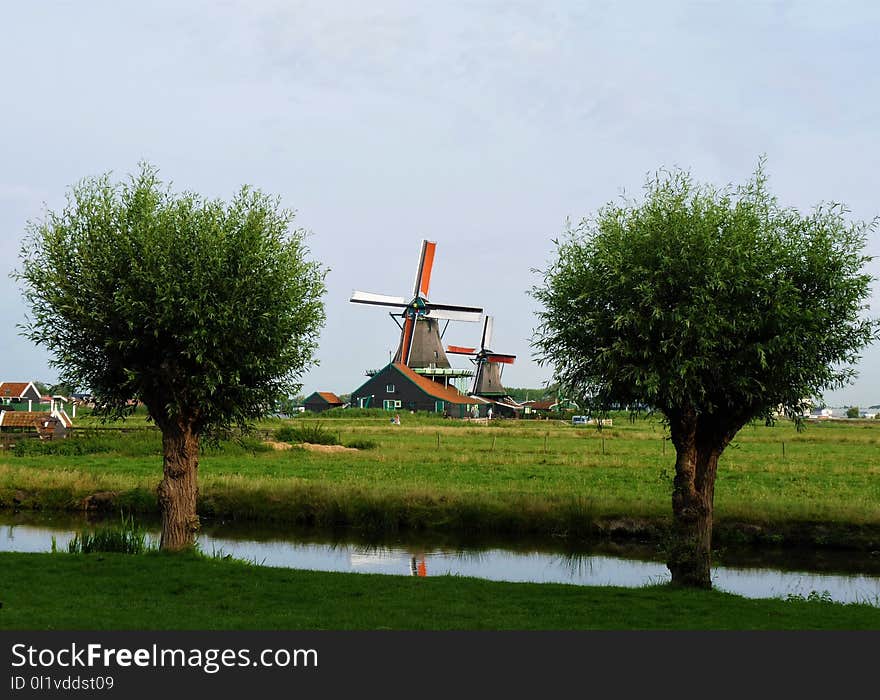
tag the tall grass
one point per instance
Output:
(126, 538)
(313, 433)
(142, 442)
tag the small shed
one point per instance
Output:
(45, 424)
(322, 401)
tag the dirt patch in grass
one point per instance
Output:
(327, 448)
(275, 445)
(278, 445)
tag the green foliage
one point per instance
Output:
(362, 444)
(852, 412)
(312, 433)
(201, 309)
(85, 446)
(811, 597)
(247, 443)
(715, 300)
(526, 394)
(134, 443)
(340, 412)
(126, 538)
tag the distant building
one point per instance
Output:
(397, 387)
(322, 401)
(545, 407)
(19, 394)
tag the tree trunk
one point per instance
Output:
(698, 445)
(178, 491)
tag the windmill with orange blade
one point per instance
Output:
(489, 364)
(420, 343)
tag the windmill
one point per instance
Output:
(487, 378)
(420, 345)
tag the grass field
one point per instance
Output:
(508, 476)
(156, 591)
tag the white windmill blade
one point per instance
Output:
(379, 299)
(455, 307)
(453, 315)
(486, 343)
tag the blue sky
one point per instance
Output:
(480, 125)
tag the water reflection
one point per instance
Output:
(489, 561)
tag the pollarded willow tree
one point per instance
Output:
(713, 307)
(203, 310)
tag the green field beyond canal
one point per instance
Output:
(819, 487)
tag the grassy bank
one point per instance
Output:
(821, 486)
(63, 591)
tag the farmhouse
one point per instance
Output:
(398, 387)
(19, 395)
(322, 401)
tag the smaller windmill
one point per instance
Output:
(420, 346)
(489, 364)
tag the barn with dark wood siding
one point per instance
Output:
(322, 401)
(397, 387)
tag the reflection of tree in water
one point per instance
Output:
(472, 556)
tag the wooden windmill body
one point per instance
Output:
(489, 364)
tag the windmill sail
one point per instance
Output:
(420, 345)
(423, 274)
(377, 299)
(487, 378)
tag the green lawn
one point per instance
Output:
(157, 591)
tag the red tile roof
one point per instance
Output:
(24, 419)
(13, 389)
(435, 389)
(329, 396)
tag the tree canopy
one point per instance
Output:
(195, 306)
(719, 299)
